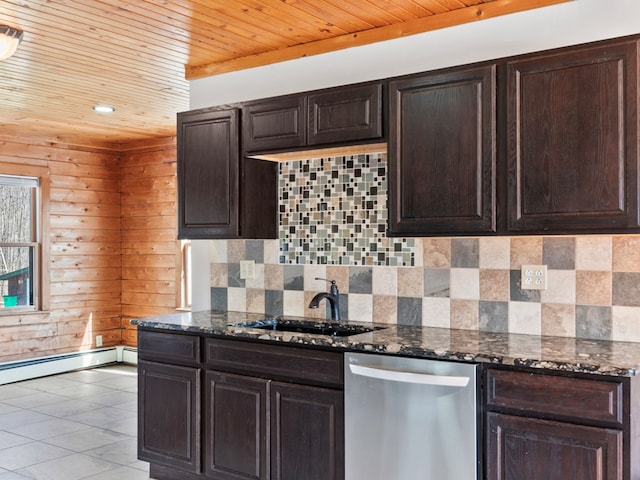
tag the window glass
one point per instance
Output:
(18, 240)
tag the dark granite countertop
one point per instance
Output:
(553, 353)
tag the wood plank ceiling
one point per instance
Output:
(137, 54)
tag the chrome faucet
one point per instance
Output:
(332, 296)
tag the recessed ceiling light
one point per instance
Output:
(104, 108)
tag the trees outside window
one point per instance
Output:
(19, 241)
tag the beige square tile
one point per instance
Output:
(436, 312)
(558, 320)
(464, 314)
(594, 253)
(561, 287)
(311, 272)
(237, 299)
(341, 275)
(410, 282)
(219, 275)
(494, 285)
(273, 277)
(293, 303)
(218, 251)
(384, 281)
(360, 307)
(258, 280)
(236, 250)
(436, 252)
(626, 253)
(625, 324)
(255, 300)
(385, 308)
(465, 283)
(272, 251)
(593, 288)
(495, 253)
(525, 250)
(525, 317)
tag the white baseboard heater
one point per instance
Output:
(41, 367)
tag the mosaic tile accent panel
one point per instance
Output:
(333, 211)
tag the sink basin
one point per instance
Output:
(332, 329)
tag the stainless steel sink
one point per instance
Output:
(332, 329)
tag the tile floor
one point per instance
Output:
(72, 426)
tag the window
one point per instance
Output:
(20, 250)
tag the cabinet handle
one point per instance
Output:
(408, 377)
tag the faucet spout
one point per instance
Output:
(333, 297)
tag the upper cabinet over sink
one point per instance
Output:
(344, 115)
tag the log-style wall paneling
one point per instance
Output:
(150, 252)
(113, 253)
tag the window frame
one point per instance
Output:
(41, 294)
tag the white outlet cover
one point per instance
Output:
(533, 277)
(247, 269)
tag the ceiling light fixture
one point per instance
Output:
(10, 38)
(104, 108)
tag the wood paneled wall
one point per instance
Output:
(112, 244)
(150, 253)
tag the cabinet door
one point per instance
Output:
(274, 124)
(169, 415)
(307, 433)
(345, 114)
(235, 426)
(572, 140)
(521, 448)
(442, 153)
(208, 174)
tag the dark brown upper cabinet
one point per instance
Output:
(220, 194)
(573, 140)
(442, 153)
(339, 115)
(208, 173)
(345, 114)
(274, 124)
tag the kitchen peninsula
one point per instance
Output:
(538, 394)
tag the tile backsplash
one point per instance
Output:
(333, 211)
(332, 220)
(468, 283)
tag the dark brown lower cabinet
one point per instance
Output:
(532, 449)
(556, 426)
(235, 426)
(307, 433)
(169, 415)
(244, 416)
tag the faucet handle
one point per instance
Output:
(334, 285)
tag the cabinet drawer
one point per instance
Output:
(169, 347)
(551, 396)
(279, 363)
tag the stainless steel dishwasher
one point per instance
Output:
(410, 419)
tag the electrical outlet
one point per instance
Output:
(98, 340)
(533, 277)
(247, 269)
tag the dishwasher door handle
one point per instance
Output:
(408, 377)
